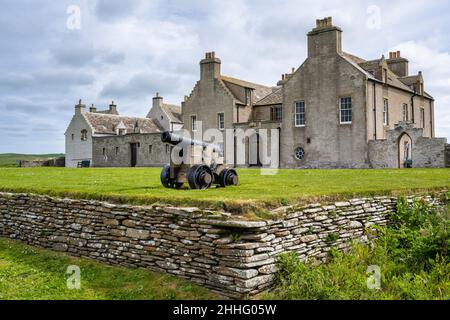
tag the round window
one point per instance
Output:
(299, 153)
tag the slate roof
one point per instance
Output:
(369, 67)
(276, 97)
(410, 80)
(107, 123)
(260, 91)
(173, 112)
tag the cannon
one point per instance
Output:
(203, 167)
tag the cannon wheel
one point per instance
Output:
(200, 177)
(166, 181)
(228, 177)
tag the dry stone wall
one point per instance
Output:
(220, 251)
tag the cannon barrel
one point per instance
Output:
(175, 139)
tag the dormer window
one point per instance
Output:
(83, 135)
(121, 129)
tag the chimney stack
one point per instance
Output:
(157, 101)
(324, 39)
(113, 108)
(399, 65)
(210, 66)
(80, 107)
(92, 108)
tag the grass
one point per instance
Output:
(10, 159)
(255, 191)
(28, 273)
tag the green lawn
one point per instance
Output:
(142, 185)
(28, 273)
(10, 159)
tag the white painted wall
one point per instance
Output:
(76, 149)
(157, 113)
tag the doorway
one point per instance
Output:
(254, 159)
(404, 151)
(134, 150)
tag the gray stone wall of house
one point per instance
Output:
(321, 80)
(208, 98)
(116, 151)
(220, 251)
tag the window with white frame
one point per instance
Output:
(221, 121)
(386, 112)
(345, 109)
(299, 114)
(405, 112)
(276, 113)
(422, 118)
(193, 123)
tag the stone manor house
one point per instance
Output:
(335, 111)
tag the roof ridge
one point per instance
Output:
(231, 79)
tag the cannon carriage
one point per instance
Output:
(201, 168)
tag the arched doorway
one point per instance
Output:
(404, 150)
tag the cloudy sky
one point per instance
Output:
(127, 50)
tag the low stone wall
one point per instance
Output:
(54, 162)
(217, 250)
(447, 155)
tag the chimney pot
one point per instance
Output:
(398, 54)
(293, 69)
